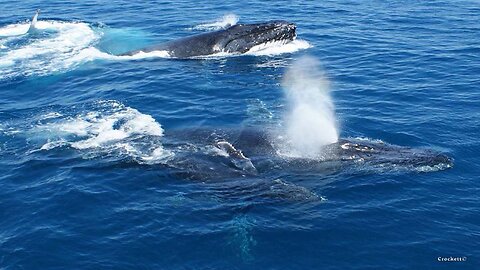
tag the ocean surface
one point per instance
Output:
(134, 162)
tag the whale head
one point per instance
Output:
(238, 38)
(243, 37)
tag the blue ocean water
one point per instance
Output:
(111, 162)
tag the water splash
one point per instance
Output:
(61, 46)
(276, 48)
(58, 47)
(108, 129)
(268, 49)
(310, 120)
(222, 23)
(55, 49)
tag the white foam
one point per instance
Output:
(266, 49)
(93, 53)
(68, 45)
(224, 22)
(112, 127)
(14, 29)
(279, 47)
(143, 55)
(52, 53)
(367, 139)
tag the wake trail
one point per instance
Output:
(61, 46)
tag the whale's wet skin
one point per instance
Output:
(223, 154)
(236, 39)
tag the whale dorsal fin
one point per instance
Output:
(34, 21)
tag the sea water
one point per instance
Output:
(96, 170)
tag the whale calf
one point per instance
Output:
(236, 39)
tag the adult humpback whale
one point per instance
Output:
(253, 164)
(236, 39)
(206, 154)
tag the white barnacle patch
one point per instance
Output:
(217, 48)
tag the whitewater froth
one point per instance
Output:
(110, 128)
(279, 47)
(44, 55)
(61, 46)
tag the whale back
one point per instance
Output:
(236, 39)
(191, 46)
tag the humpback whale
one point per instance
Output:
(236, 39)
(205, 154)
(250, 164)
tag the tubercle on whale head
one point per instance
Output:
(379, 152)
(242, 37)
